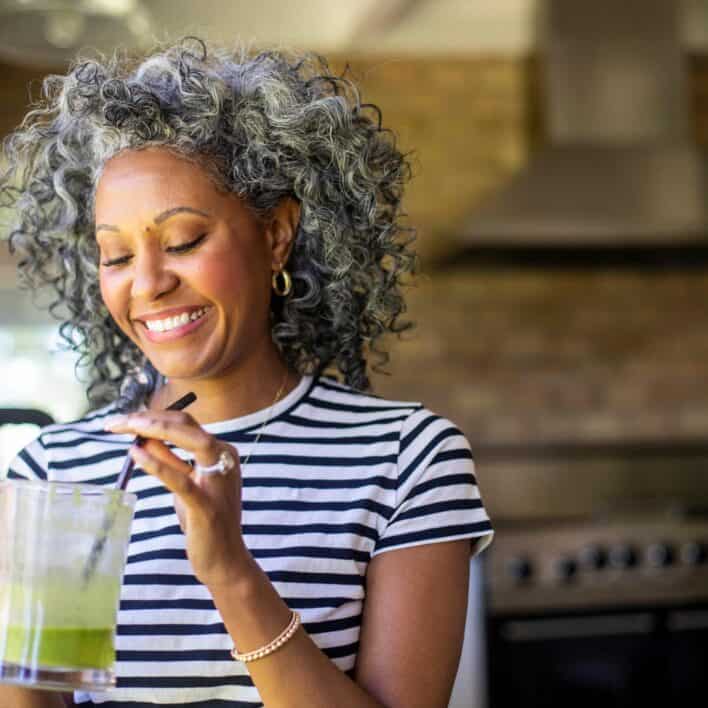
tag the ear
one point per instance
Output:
(281, 230)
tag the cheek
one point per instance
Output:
(102, 287)
(234, 281)
(105, 291)
(110, 293)
(221, 277)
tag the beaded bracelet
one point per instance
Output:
(269, 648)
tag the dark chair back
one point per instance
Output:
(20, 416)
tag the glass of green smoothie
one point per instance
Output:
(57, 627)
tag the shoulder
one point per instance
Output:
(335, 401)
(91, 422)
(57, 444)
(72, 441)
(327, 394)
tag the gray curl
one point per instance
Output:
(265, 126)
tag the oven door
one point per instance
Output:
(610, 659)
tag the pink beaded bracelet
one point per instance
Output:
(271, 646)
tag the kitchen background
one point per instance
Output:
(560, 197)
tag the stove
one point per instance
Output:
(636, 560)
(609, 611)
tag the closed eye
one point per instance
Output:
(182, 248)
(186, 246)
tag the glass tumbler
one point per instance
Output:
(57, 620)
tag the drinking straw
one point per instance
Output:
(129, 463)
(121, 484)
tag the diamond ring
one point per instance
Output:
(225, 463)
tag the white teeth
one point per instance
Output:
(172, 322)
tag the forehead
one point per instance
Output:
(153, 180)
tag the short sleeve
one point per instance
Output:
(31, 462)
(437, 497)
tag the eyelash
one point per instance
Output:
(173, 249)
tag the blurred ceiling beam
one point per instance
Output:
(418, 27)
(379, 18)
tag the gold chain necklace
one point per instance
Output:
(267, 420)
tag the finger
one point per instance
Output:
(177, 427)
(181, 513)
(161, 452)
(120, 419)
(174, 478)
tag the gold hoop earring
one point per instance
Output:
(287, 284)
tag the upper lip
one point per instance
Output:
(171, 312)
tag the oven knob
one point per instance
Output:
(660, 555)
(566, 569)
(520, 569)
(593, 557)
(694, 553)
(623, 556)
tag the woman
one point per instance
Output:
(229, 225)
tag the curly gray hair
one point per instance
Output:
(265, 126)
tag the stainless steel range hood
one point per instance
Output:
(620, 167)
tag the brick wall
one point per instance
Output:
(537, 356)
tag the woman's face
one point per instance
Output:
(185, 269)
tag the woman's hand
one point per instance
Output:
(208, 507)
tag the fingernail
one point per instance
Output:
(138, 453)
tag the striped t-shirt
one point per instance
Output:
(336, 478)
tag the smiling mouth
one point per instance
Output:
(171, 323)
(173, 328)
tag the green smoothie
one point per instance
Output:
(65, 647)
(54, 623)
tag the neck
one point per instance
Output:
(238, 392)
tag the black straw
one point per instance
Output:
(129, 463)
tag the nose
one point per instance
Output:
(151, 279)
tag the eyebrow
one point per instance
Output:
(160, 217)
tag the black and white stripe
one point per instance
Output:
(336, 478)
